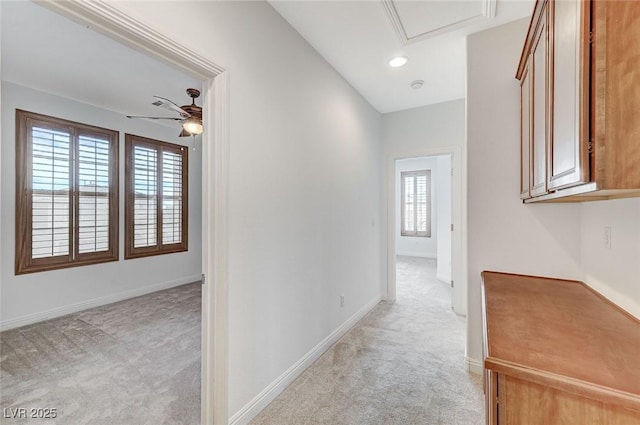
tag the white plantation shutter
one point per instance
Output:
(171, 198)
(145, 187)
(51, 194)
(93, 194)
(421, 203)
(416, 203)
(156, 203)
(66, 210)
(409, 203)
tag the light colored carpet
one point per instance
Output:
(135, 362)
(401, 365)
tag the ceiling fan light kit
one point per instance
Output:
(190, 115)
(192, 125)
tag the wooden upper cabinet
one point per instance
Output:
(581, 59)
(539, 107)
(525, 133)
(616, 94)
(568, 159)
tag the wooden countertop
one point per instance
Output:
(562, 334)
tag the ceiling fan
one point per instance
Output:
(190, 115)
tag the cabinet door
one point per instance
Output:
(568, 159)
(525, 134)
(491, 397)
(616, 96)
(539, 107)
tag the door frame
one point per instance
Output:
(458, 272)
(109, 20)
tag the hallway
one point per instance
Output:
(401, 364)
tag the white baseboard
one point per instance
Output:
(443, 278)
(473, 366)
(96, 302)
(415, 254)
(259, 402)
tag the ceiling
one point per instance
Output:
(69, 60)
(356, 37)
(359, 37)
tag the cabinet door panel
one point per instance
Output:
(616, 100)
(528, 403)
(491, 397)
(539, 108)
(525, 134)
(568, 163)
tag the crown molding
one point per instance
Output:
(113, 22)
(394, 20)
(488, 11)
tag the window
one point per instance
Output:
(66, 193)
(156, 197)
(416, 203)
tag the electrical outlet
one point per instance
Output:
(607, 237)
(341, 301)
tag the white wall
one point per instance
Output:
(304, 187)
(36, 296)
(503, 233)
(410, 132)
(443, 195)
(409, 245)
(615, 271)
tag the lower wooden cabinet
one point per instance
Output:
(517, 402)
(557, 353)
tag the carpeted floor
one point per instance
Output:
(135, 362)
(401, 365)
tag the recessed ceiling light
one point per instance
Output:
(398, 62)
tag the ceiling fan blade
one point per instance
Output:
(167, 104)
(154, 118)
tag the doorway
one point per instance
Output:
(423, 214)
(109, 20)
(419, 279)
(450, 244)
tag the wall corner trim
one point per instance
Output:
(443, 278)
(473, 366)
(259, 402)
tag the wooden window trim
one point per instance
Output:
(130, 251)
(24, 263)
(403, 230)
